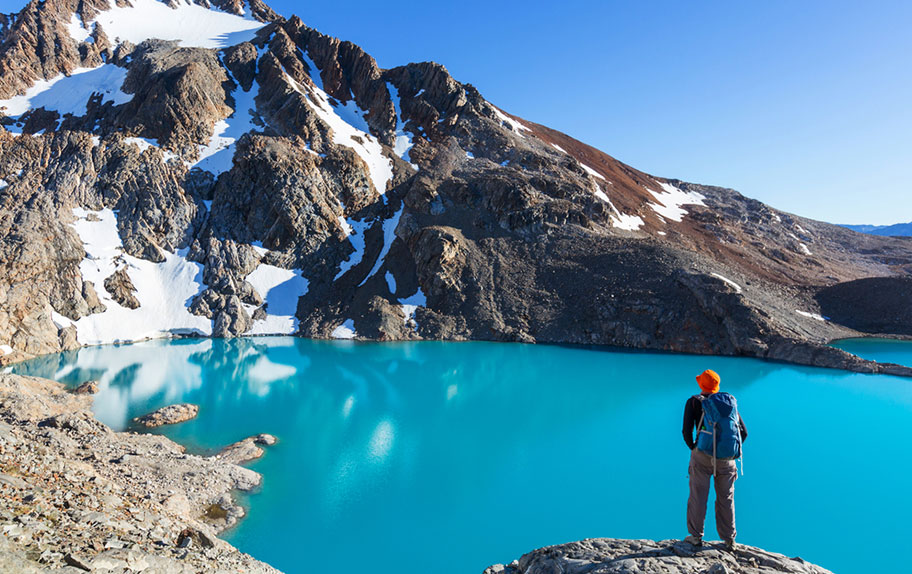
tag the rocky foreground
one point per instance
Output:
(76, 496)
(607, 556)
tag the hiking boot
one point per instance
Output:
(730, 546)
(693, 540)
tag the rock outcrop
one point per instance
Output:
(78, 496)
(246, 450)
(611, 556)
(169, 415)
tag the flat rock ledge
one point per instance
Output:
(610, 556)
(169, 415)
(77, 497)
(247, 449)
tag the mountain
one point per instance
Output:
(216, 169)
(896, 230)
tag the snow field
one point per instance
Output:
(164, 290)
(670, 202)
(191, 25)
(70, 94)
(280, 289)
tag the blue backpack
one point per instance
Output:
(719, 431)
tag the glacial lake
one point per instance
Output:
(406, 457)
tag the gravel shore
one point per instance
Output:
(76, 496)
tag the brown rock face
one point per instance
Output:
(121, 288)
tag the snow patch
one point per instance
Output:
(729, 282)
(672, 199)
(410, 304)
(78, 32)
(404, 141)
(191, 25)
(60, 321)
(280, 289)
(470, 155)
(3, 184)
(345, 331)
(348, 126)
(70, 94)
(6, 349)
(815, 316)
(558, 148)
(217, 156)
(804, 249)
(389, 234)
(164, 290)
(354, 231)
(391, 282)
(618, 219)
(513, 125)
(592, 172)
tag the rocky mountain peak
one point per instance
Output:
(186, 167)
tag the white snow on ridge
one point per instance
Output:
(70, 94)
(558, 148)
(164, 290)
(280, 289)
(672, 199)
(592, 172)
(618, 219)
(729, 282)
(191, 25)
(804, 249)
(348, 126)
(513, 125)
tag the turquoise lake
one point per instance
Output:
(406, 457)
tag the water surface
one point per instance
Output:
(453, 456)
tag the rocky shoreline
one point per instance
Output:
(76, 496)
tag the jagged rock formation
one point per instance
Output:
(254, 176)
(77, 497)
(609, 556)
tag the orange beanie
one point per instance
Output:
(709, 381)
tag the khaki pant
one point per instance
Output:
(700, 471)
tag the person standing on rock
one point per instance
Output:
(720, 433)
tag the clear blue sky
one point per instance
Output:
(804, 105)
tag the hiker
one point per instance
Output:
(720, 434)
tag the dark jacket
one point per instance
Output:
(693, 410)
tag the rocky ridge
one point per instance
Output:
(279, 181)
(610, 556)
(76, 496)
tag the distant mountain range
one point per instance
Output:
(897, 230)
